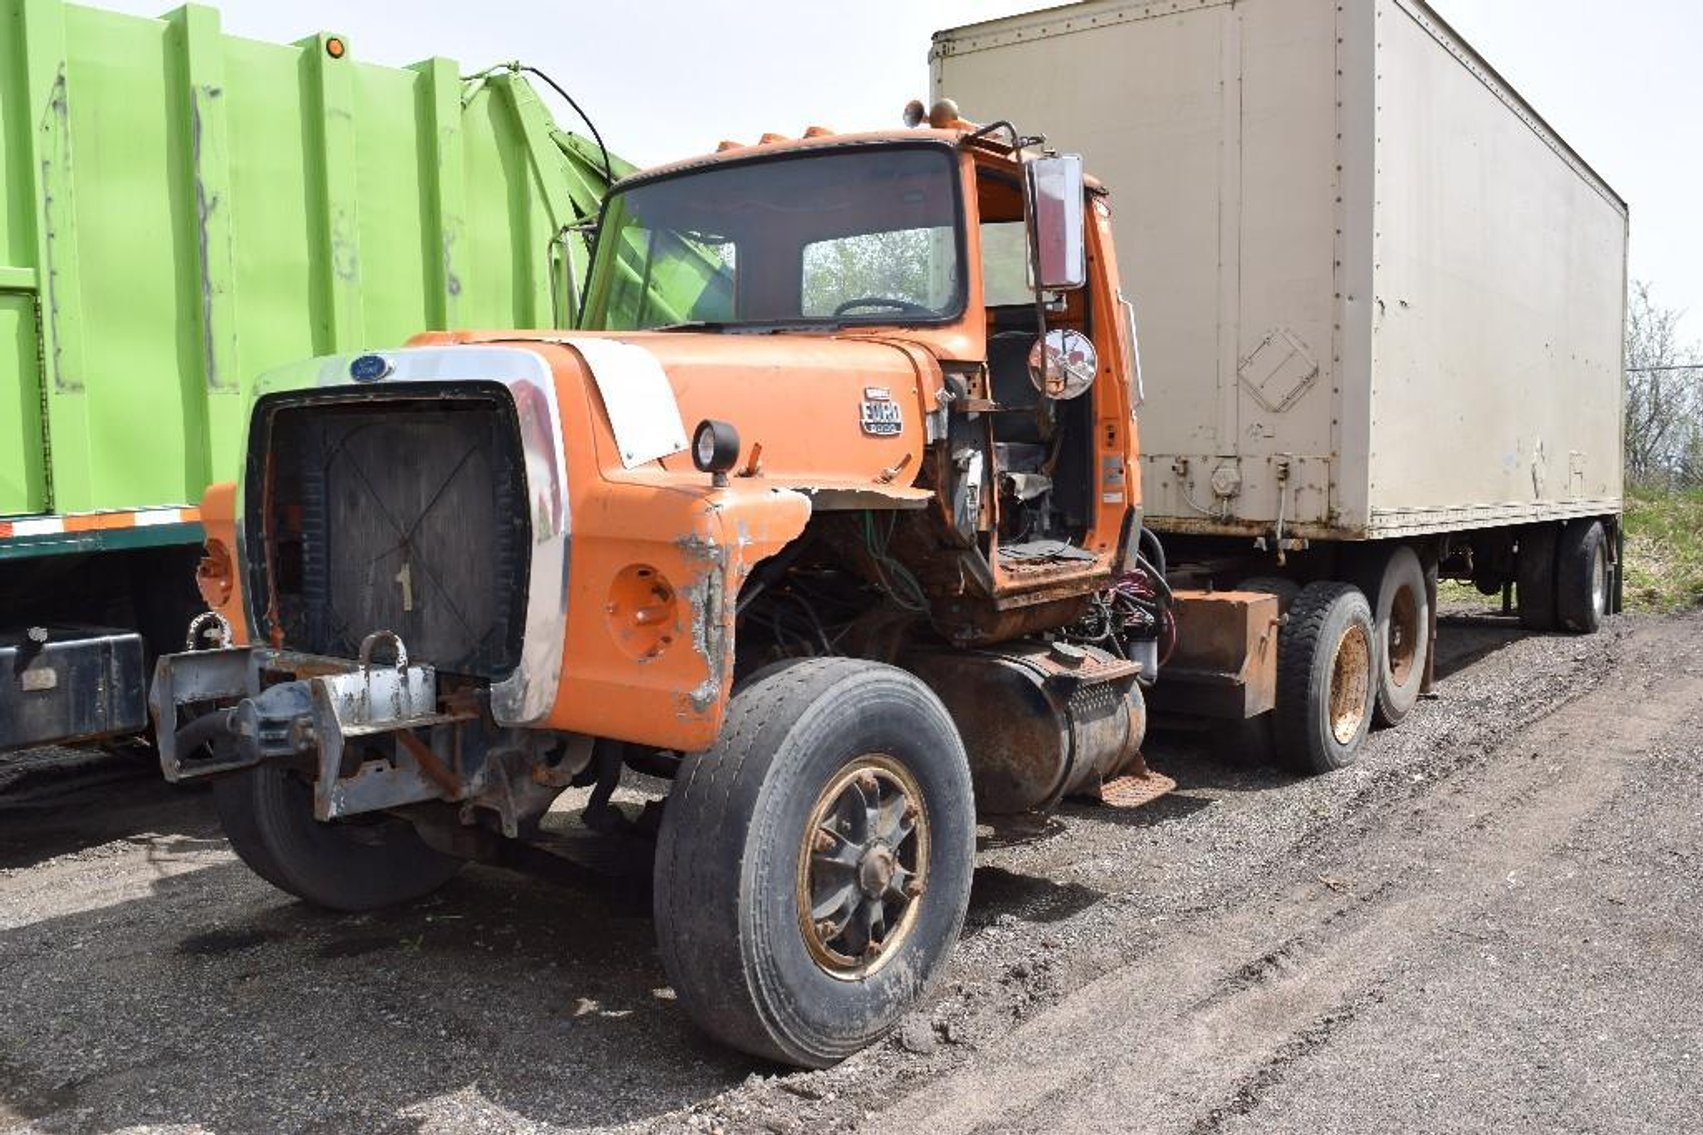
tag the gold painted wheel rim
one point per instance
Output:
(1350, 682)
(1404, 634)
(862, 866)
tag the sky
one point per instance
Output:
(665, 79)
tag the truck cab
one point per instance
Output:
(881, 281)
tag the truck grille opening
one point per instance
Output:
(401, 511)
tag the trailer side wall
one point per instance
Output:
(1378, 295)
(1214, 128)
(1499, 312)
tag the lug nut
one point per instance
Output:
(867, 782)
(822, 843)
(873, 950)
(915, 888)
(825, 929)
(911, 810)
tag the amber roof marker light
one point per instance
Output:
(335, 47)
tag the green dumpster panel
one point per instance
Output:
(185, 210)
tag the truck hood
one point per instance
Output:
(812, 411)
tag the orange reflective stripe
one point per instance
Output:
(97, 521)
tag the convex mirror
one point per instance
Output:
(1062, 364)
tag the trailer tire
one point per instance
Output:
(1401, 614)
(1582, 579)
(766, 823)
(1534, 585)
(267, 813)
(1326, 668)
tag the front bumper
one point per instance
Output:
(371, 736)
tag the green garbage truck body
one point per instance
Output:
(181, 211)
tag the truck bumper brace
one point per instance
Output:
(374, 737)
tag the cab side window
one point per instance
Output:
(1005, 264)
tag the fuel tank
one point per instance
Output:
(1041, 721)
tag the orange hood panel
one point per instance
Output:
(798, 402)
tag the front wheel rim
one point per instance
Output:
(862, 866)
(1350, 683)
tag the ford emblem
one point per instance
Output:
(369, 368)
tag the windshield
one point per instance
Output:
(835, 237)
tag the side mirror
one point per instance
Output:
(1056, 191)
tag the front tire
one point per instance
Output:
(1326, 677)
(349, 865)
(814, 865)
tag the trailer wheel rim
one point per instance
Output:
(863, 866)
(1403, 645)
(1350, 682)
(1599, 580)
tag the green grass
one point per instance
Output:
(1664, 549)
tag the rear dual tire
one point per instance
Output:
(1343, 661)
(1326, 678)
(1565, 576)
(1400, 597)
(1583, 577)
(1534, 579)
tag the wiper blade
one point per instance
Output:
(690, 325)
(758, 327)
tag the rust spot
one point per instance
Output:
(696, 547)
(434, 769)
(57, 127)
(1225, 661)
(206, 204)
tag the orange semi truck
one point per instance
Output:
(851, 554)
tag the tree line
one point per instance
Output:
(1664, 397)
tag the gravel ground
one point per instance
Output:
(1486, 924)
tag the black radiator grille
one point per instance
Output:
(398, 513)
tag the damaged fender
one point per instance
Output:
(651, 620)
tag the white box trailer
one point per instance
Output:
(1382, 307)
(1379, 296)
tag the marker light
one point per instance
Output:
(715, 449)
